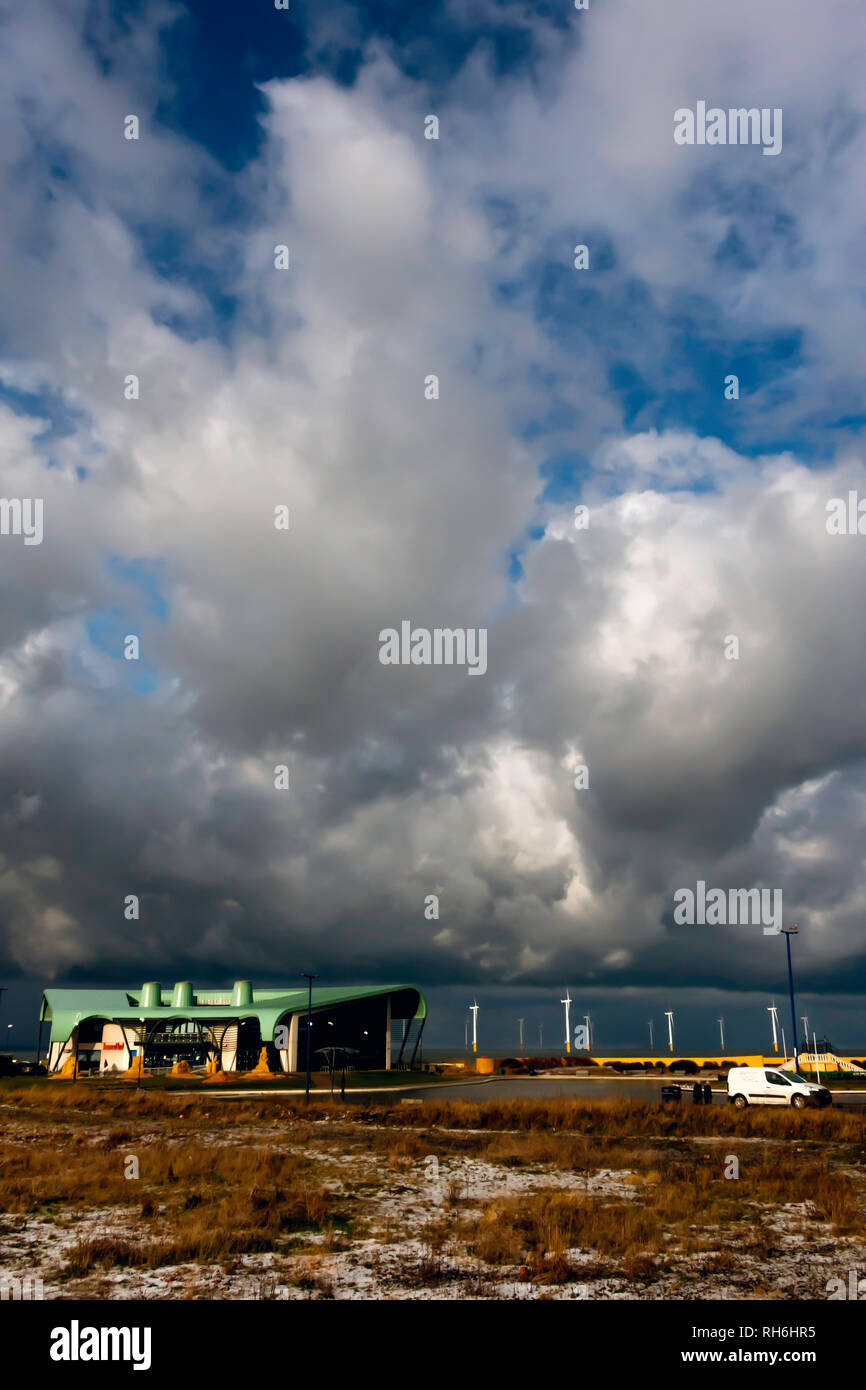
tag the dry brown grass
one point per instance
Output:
(195, 1202)
(689, 1205)
(596, 1119)
(209, 1229)
(83, 1173)
(532, 1228)
(253, 1187)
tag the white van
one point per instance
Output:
(768, 1086)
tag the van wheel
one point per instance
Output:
(740, 1102)
(798, 1102)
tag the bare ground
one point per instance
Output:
(121, 1197)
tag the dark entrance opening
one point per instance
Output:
(249, 1044)
(176, 1040)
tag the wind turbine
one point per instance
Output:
(473, 1009)
(721, 1023)
(521, 1022)
(774, 1015)
(567, 1002)
(650, 1026)
(669, 1015)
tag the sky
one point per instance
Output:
(153, 260)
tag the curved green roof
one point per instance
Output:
(63, 1008)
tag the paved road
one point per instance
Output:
(549, 1088)
(542, 1088)
(490, 1088)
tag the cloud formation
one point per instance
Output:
(305, 388)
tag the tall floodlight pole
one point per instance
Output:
(567, 1002)
(669, 1015)
(309, 979)
(789, 932)
(774, 1019)
(473, 1009)
(650, 1026)
(721, 1023)
(521, 1022)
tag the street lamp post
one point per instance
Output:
(789, 932)
(309, 979)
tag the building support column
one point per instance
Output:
(293, 1043)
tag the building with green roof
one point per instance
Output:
(107, 1028)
